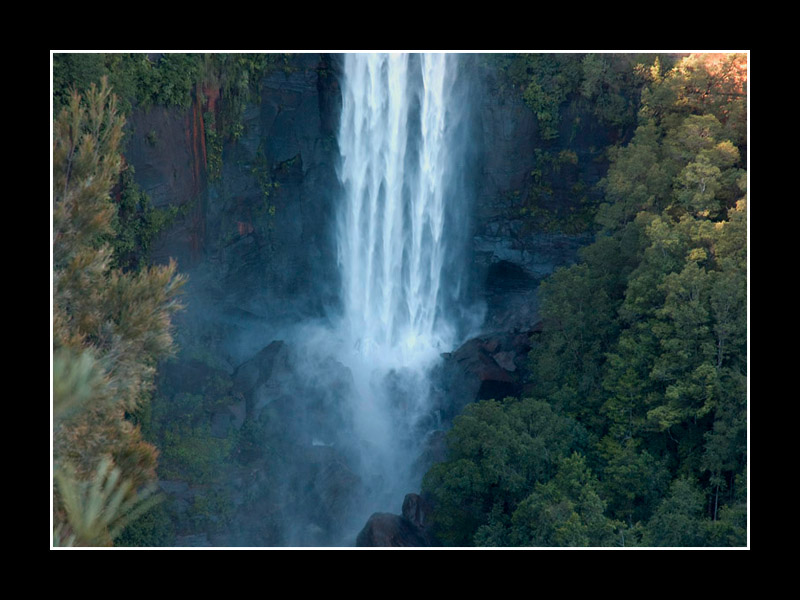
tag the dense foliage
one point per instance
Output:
(635, 432)
(170, 79)
(644, 347)
(109, 328)
(599, 84)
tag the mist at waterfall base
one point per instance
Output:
(361, 375)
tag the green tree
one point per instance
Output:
(565, 511)
(730, 528)
(109, 328)
(633, 480)
(580, 306)
(497, 451)
(645, 341)
(701, 84)
(678, 521)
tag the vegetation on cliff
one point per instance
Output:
(582, 102)
(178, 80)
(602, 86)
(643, 348)
(109, 328)
(111, 310)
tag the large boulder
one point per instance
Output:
(492, 366)
(406, 530)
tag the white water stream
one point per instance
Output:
(396, 155)
(393, 143)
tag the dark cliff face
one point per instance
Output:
(256, 240)
(166, 148)
(270, 215)
(529, 194)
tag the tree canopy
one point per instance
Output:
(643, 346)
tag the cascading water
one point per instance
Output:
(398, 236)
(393, 147)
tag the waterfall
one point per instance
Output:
(398, 236)
(394, 147)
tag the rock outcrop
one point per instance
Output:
(396, 531)
(487, 367)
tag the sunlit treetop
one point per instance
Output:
(701, 84)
